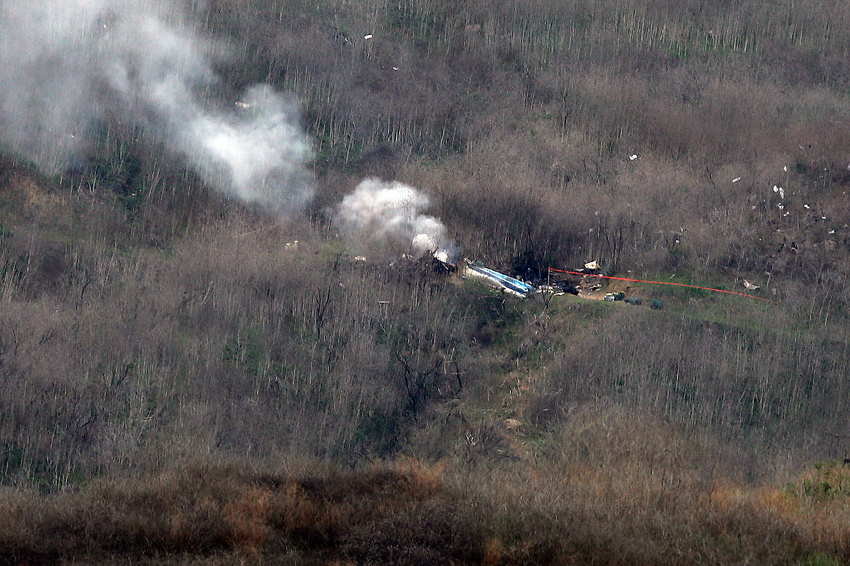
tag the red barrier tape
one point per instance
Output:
(661, 283)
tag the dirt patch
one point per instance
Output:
(595, 288)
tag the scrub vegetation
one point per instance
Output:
(187, 379)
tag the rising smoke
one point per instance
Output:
(391, 213)
(65, 64)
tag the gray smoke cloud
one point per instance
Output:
(64, 64)
(391, 213)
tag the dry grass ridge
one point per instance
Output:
(190, 378)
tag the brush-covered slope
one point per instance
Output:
(195, 269)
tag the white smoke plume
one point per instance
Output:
(390, 213)
(64, 64)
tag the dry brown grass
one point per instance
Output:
(613, 487)
(203, 510)
(135, 337)
(609, 487)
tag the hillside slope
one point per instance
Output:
(216, 255)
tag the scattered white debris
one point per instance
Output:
(736, 179)
(243, 105)
(360, 258)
